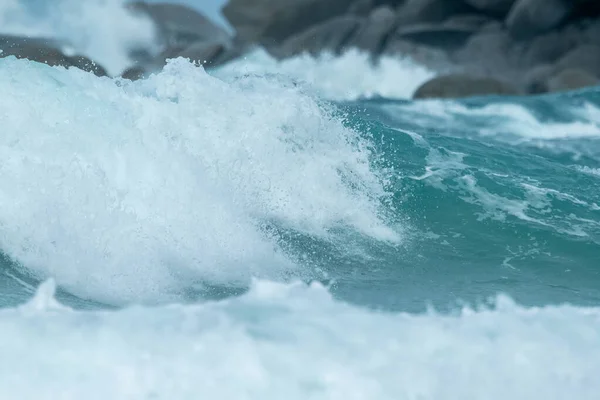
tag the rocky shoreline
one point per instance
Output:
(480, 47)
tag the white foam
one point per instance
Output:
(132, 192)
(100, 29)
(295, 342)
(347, 77)
(508, 119)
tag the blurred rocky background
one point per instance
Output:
(478, 47)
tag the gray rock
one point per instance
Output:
(134, 73)
(88, 65)
(571, 79)
(547, 48)
(272, 21)
(374, 32)
(45, 51)
(585, 57)
(361, 8)
(181, 25)
(450, 34)
(204, 53)
(419, 11)
(494, 7)
(462, 85)
(430, 57)
(332, 35)
(528, 18)
(490, 53)
(536, 79)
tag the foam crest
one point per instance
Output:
(295, 342)
(100, 29)
(349, 76)
(134, 191)
(503, 119)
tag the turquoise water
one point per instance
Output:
(251, 235)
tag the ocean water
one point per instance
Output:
(295, 229)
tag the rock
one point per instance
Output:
(450, 34)
(528, 18)
(585, 57)
(204, 53)
(181, 25)
(35, 49)
(331, 36)
(571, 79)
(490, 52)
(547, 48)
(536, 79)
(134, 73)
(374, 32)
(430, 57)
(493, 7)
(419, 11)
(462, 85)
(45, 51)
(87, 65)
(272, 21)
(361, 8)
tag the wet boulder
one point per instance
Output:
(272, 21)
(372, 34)
(586, 56)
(47, 51)
(548, 48)
(181, 25)
(492, 7)
(528, 18)
(571, 79)
(450, 34)
(463, 85)
(332, 36)
(420, 11)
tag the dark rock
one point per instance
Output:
(430, 57)
(528, 18)
(269, 21)
(475, 21)
(536, 79)
(450, 34)
(462, 85)
(361, 8)
(134, 73)
(203, 52)
(547, 48)
(491, 53)
(374, 32)
(87, 65)
(571, 79)
(45, 51)
(331, 36)
(493, 7)
(37, 49)
(585, 56)
(419, 11)
(181, 25)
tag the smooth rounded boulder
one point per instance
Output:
(528, 18)
(462, 85)
(493, 7)
(571, 79)
(181, 25)
(268, 21)
(46, 51)
(586, 56)
(330, 36)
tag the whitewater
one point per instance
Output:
(293, 229)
